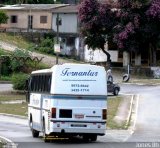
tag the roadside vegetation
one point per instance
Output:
(18, 63)
(16, 40)
(16, 109)
(11, 96)
(1, 144)
(16, 67)
(113, 104)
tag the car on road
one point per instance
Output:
(113, 88)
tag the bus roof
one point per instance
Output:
(42, 71)
(68, 64)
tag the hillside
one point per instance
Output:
(10, 42)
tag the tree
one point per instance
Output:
(128, 31)
(3, 17)
(138, 29)
(152, 28)
(97, 21)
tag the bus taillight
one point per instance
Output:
(104, 114)
(53, 113)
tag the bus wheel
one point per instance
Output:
(86, 138)
(45, 138)
(35, 133)
(93, 138)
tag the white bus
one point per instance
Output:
(68, 99)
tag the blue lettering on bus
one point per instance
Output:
(67, 72)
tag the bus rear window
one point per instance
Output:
(40, 83)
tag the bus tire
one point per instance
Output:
(86, 138)
(93, 137)
(35, 133)
(45, 138)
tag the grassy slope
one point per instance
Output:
(15, 40)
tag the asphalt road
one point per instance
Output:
(6, 87)
(147, 127)
(18, 131)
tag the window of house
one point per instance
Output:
(43, 19)
(14, 19)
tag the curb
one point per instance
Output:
(7, 143)
(11, 115)
(134, 111)
(141, 84)
(130, 111)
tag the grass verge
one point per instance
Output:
(113, 104)
(11, 97)
(16, 109)
(1, 145)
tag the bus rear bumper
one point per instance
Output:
(79, 131)
(79, 128)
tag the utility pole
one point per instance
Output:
(57, 47)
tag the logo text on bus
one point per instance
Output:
(68, 72)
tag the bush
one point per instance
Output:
(19, 81)
(2, 52)
(17, 65)
(46, 46)
(5, 63)
(5, 68)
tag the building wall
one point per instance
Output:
(70, 1)
(69, 23)
(22, 22)
(99, 56)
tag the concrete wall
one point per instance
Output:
(99, 56)
(23, 19)
(69, 23)
(71, 49)
(156, 72)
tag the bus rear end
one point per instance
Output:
(79, 101)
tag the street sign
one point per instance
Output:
(57, 48)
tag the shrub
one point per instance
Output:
(17, 65)
(19, 81)
(5, 68)
(46, 46)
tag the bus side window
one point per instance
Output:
(27, 90)
(37, 83)
(45, 83)
(49, 83)
(32, 84)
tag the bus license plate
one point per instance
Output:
(79, 116)
(78, 125)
